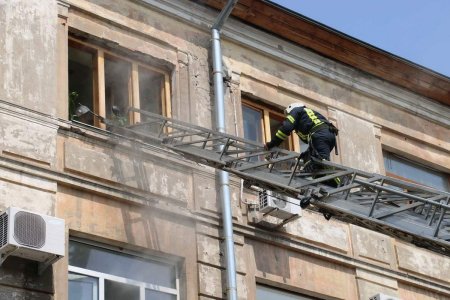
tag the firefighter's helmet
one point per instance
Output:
(292, 106)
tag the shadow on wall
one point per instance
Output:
(139, 179)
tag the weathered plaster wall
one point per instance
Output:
(303, 273)
(26, 191)
(130, 168)
(166, 205)
(358, 143)
(414, 293)
(146, 230)
(28, 138)
(19, 280)
(211, 259)
(28, 52)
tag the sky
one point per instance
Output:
(416, 30)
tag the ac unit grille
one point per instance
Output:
(29, 229)
(3, 229)
(263, 198)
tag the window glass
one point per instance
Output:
(252, 123)
(266, 293)
(117, 88)
(82, 287)
(120, 291)
(81, 84)
(405, 168)
(155, 295)
(120, 264)
(262, 122)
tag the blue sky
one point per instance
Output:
(416, 30)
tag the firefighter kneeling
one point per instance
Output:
(313, 129)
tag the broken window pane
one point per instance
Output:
(117, 89)
(151, 87)
(81, 82)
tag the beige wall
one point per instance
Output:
(28, 33)
(162, 204)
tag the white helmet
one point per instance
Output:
(292, 106)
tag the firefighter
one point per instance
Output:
(313, 129)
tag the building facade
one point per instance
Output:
(143, 222)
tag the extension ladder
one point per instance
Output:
(411, 212)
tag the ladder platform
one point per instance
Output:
(411, 212)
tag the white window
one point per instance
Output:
(264, 292)
(99, 273)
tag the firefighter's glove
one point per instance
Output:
(304, 155)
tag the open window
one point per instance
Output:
(108, 84)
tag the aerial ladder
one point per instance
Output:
(414, 213)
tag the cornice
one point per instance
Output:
(298, 57)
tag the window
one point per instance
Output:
(97, 273)
(402, 168)
(267, 293)
(261, 123)
(108, 84)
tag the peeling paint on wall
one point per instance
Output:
(28, 53)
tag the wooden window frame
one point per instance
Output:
(99, 97)
(294, 143)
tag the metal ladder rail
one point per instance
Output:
(406, 210)
(389, 211)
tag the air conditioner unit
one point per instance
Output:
(277, 205)
(383, 297)
(32, 236)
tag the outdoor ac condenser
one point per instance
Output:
(32, 236)
(383, 297)
(278, 205)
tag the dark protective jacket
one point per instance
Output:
(303, 121)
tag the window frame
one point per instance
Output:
(295, 295)
(101, 277)
(99, 97)
(294, 141)
(386, 154)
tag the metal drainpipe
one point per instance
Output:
(231, 288)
